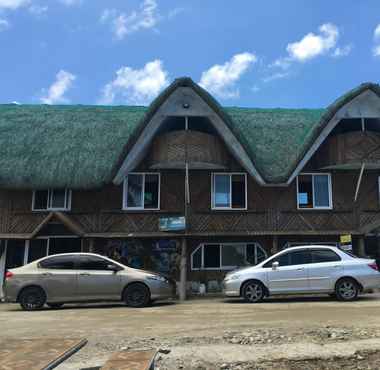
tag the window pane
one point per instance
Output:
(324, 255)
(211, 256)
(64, 245)
(283, 260)
(92, 263)
(151, 191)
(197, 259)
(305, 191)
(222, 190)
(300, 257)
(40, 199)
(321, 191)
(238, 191)
(60, 262)
(15, 254)
(134, 191)
(233, 255)
(261, 255)
(58, 199)
(37, 249)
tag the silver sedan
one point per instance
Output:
(305, 269)
(83, 277)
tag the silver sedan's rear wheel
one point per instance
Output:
(346, 289)
(253, 291)
(32, 298)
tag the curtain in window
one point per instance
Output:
(135, 191)
(321, 191)
(222, 191)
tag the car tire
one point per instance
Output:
(32, 299)
(54, 305)
(253, 291)
(347, 289)
(136, 295)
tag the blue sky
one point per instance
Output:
(271, 53)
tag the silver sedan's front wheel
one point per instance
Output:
(346, 289)
(253, 291)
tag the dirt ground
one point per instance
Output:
(287, 333)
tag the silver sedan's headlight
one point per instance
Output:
(232, 277)
(157, 278)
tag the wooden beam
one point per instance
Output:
(359, 182)
(183, 271)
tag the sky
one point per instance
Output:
(272, 53)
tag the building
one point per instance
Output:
(186, 186)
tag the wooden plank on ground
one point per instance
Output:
(131, 360)
(37, 354)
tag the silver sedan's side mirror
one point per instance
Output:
(275, 265)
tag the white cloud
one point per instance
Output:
(342, 51)
(136, 86)
(146, 17)
(13, 4)
(276, 76)
(221, 79)
(38, 9)
(376, 39)
(312, 45)
(56, 92)
(174, 12)
(4, 24)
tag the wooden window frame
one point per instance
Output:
(125, 192)
(312, 174)
(68, 196)
(221, 267)
(230, 208)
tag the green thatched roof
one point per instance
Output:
(83, 146)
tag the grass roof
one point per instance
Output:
(79, 146)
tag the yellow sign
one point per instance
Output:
(345, 239)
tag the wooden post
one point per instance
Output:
(274, 244)
(361, 247)
(91, 245)
(183, 271)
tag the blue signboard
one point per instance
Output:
(172, 223)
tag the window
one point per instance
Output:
(229, 191)
(226, 256)
(314, 191)
(300, 257)
(59, 263)
(38, 248)
(93, 263)
(142, 191)
(52, 199)
(324, 255)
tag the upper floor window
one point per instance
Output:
(229, 191)
(141, 191)
(52, 200)
(314, 191)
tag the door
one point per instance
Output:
(291, 276)
(96, 281)
(57, 275)
(326, 266)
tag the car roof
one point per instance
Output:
(311, 247)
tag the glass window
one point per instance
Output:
(314, 191)
(15, 254)
(92, 263)
(222, 191)
(255, 254)
(300, 257)
(229, 191)
(233, 255)
(142, 191)
(58, 262)
(211, 256)
(238, 191)
(37, 249)
(40, 200)
(51, 199)
(197, 258)
(324, 255)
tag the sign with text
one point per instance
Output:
(172, 223)
(346, 239)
